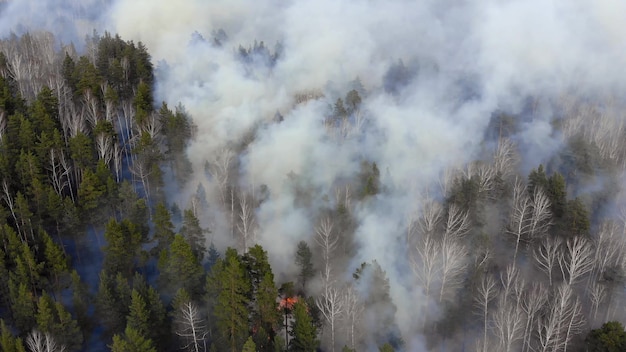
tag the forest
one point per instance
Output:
(204, 190)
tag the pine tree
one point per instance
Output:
(8, 342)
(249, 346)
(266, 315)
(56, 261)
(123, 249)
(231, 311)
(163, 228)
(138, 316)
(179, 268)
(193, 233)
(132, 341)
(304, 332)
(22, 305)
(303, 260)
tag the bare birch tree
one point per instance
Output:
(10, 202)
(547, 256)
(533, 301)
(328, 241)
(577, 259)
(426, 262)
(597, 293)
(541, 216)
(485, 293)
(508, 322)
(247, 223)
(352, 312)
(453, 265)
(219, 168)
(36, 341)
(58, 175)
(457, 224)
(505, 158)
(331, 305)
(519, 226)
(608, 247)
(140, 169)
(191, 327)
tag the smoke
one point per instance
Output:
(467, 59)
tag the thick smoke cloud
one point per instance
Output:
(469, 59)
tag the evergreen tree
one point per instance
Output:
(138, 316)
(303, 260)
(193, 233)
(611, 337)
(22, 305)
(123, 248)
(537, 178)
(231, 311)
(81, 300)
(249, 346)
(558, 195)
(304, 332)
(132, 341)
(576, 218)
(163, 228)
(180, 268)
(8, 342)
(56, 262)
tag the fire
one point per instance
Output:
(288, 302)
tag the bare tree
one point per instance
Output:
(569, 316)
(509, 281)
(533, 301)
(485, 293)
(547, 255)
(505, 158)
(453, 265)
(577, 260)
(58, 175)
(91, 110)
(328, 241)
(67, 169)
(426, 262)
(519, 224)
(42, 342)
(508, 323)
(10, 202)
(560, 321)
(105, 148)
(247, 223)
(219, 167)
(457, 224)
(597, 292)
(608, 247)
(140, 168)
(423, 223)
(331, 305)
(352, 312)
(191, 327)
(541, 217)
(3, 123)
(117, 161)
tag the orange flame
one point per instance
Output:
(288, 302)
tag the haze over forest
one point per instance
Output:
(347, 175)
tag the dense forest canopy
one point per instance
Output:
(312, 176)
